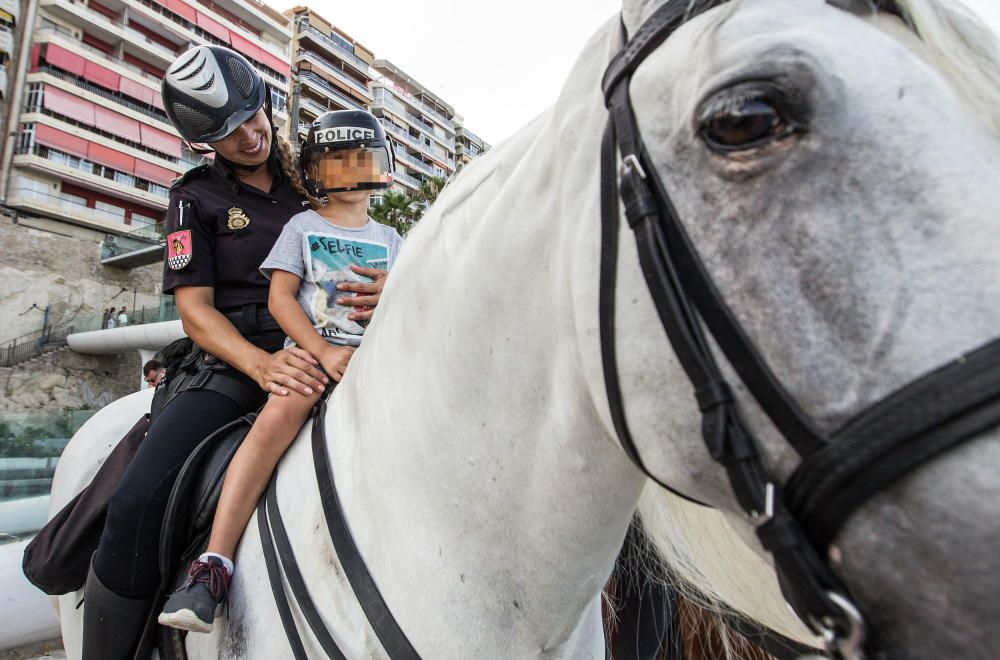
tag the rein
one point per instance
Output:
(798, 522)
(392, 637)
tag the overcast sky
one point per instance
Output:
(499, 64)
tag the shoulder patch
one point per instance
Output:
(192, 173)
(179, 249)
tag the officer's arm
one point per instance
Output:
(213, 332)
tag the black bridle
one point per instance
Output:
(839, 472)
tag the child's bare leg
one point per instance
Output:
(250, 470)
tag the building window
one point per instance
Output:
(33, 99)
(110, 211)
(26, 138)
(278, 100)
(124, 179)
(140, 220)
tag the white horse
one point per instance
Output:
(471, 439)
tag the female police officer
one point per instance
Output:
(222, 221)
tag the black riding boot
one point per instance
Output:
(112, 624)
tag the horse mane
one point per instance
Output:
(960, 45)
(697, 546)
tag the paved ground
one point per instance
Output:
(51, 650)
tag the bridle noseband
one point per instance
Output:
(840, 471)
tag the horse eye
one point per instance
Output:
(743, 125)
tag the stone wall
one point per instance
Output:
(64, 380)
(49, 263)
(46, 262)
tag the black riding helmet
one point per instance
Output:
(341, 130)
(209, 91)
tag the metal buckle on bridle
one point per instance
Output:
(845, 644)
(630, 163)
(757, 516)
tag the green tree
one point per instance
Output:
(395, 211)
(429, 190)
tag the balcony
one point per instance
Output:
(419, 165)
(406, 179)
(312, 106)
(308, 30)
(140, 247)
(316, 82)
(312, 58)
(55, 205)
(91, 175)
(6, 41)
(193, 34)
(414, 142)
(64, 39)
(110, 29)
(104, 95)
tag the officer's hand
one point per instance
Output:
(367, 293)
(291, 368)
(334, 360)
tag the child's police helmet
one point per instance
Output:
(346, 150)
(209, 91)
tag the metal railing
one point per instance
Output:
(317, 80)
(149, 111)
(165, 53)
(66, 206)
(98, 52)
(403, 177)
(23, 348)
(341, 51)
(310, 55)
(256, 39)
(413, 162)
(87, 167)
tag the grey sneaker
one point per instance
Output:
(194, 606)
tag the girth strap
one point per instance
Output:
(397, 646)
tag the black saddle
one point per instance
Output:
(188, 522)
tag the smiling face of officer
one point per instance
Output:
(250, 144)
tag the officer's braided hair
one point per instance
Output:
(289, 165)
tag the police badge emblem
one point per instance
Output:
(179, 249)
(237, 219)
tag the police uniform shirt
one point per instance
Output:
(233, 227)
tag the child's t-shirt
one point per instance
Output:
(321, 254)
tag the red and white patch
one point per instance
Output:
(179, 249)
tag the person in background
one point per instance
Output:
(122, 317)
(112, 316)
(104, 317)
(153, 372)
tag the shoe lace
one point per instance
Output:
(211, 574)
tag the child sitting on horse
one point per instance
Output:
(345, 158)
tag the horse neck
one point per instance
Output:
(475, 471)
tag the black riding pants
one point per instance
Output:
(127, 556)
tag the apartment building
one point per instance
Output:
(420, 123)
(468, 145)
(93, 144)
(9, 11)
(333, 71)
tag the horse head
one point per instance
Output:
(836, 171)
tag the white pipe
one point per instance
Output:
(149, 336)
(29, 615)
